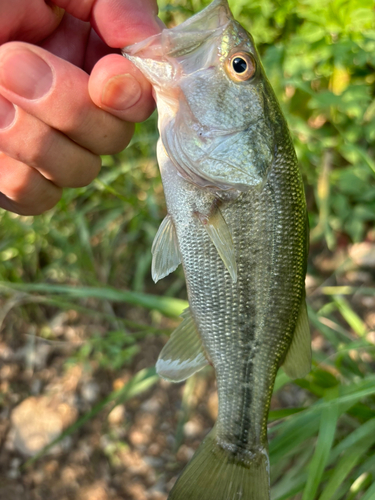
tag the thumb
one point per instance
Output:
(117, 22)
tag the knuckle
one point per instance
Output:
(116, 138)
(36, 201)
(86, 173)
(28, 192)
(19, 188)
(39, 151)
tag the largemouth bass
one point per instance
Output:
(237, 222)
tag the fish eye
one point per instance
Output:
(240, 66)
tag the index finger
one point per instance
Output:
(118, 23)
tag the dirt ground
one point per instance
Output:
(133, 451)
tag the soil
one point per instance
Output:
(135, 450)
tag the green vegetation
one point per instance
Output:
(92, 252)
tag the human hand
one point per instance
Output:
(55, 119)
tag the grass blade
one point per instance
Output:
(344, 466)
(166, 305)
(350, 316)
(370, 493)
(325, 439)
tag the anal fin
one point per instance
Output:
(165, 253)
(183, 354)
(221, 237)
(297, 363)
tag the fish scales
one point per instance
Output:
(237, 223)
(244, 321)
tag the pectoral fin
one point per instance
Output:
(183, 354)
(165, 254)
(297, 362)
(219, 233)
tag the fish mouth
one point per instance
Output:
(167, 56)
(206, 148)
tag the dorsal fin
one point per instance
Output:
(221, 237)
(297, 363)
(183, 354)
(165, 253)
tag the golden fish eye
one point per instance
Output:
(240, 66)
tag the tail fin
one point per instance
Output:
(215, 473)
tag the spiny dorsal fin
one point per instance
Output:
(165, 254)
(297, 362)
(219, 233)
(183, 354)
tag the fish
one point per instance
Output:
(237, 221)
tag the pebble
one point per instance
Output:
(363, 254)
(117, 415)
(151, 405)
(96, 491)
(36, 422)
(90, 391)
(192, 429)
(154, 461)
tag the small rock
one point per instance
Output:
(36, 386)
(192, 429)
(212, 405)
(151, 405)
(6, 352)
(154, 461)
(360, 277)
(185, 453)
(96, 491)
(137, 491)
(15, 463)
(363, 254)
(36, 422)
(154, 449)
(370, 337)
(365, 300)
(170, 440)
(14, 471)
(370, 320)
(69, 475)
(57, 322)
(8, 371)
(39, 477)
(158, 491)
(311, 283)
(157, 495)
(90, 391)
(13, 474)
(117, 415)
(137, 437)
(34, 355)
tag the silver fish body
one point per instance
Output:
(237, 219)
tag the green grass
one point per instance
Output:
(92, 252)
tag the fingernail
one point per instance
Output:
(121, 92)
(25, 74)
(7, 112)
